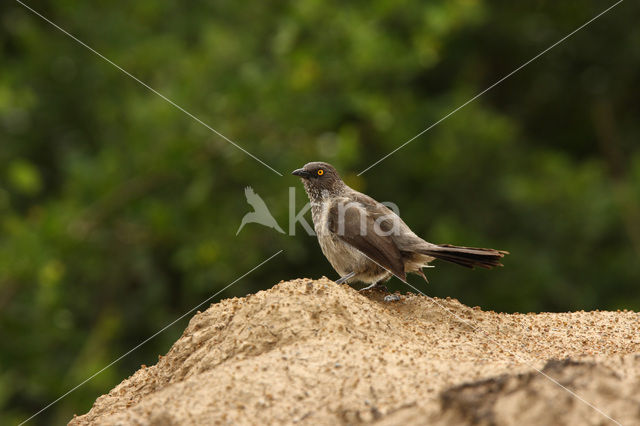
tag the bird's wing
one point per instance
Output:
(391, 223)
(353, 225)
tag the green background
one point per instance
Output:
(118, 212)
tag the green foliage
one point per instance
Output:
(118, 212)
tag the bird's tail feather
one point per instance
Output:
(466, 256)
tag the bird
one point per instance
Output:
(365, 241)
(260, 214)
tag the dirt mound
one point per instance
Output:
(562, 393)
(313, 352)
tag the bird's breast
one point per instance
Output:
(320, 217)
(343, 257)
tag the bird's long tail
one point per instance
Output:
(466, 256)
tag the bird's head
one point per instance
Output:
(319, 176)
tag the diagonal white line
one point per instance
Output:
(488, 336)
(149, 87)
(149, 338)
(493, 85)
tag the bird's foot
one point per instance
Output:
(375, 286)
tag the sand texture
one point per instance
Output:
(317, 353)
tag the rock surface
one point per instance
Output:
(314, 352)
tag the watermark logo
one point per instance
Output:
(260, 213)
(383, 225)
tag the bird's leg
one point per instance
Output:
(346, 278)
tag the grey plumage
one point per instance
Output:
(366, 241)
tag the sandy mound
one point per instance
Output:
(313, 352)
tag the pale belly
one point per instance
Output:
(343, 257)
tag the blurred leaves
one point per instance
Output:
(24, 177)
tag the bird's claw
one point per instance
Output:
(375, 286)
(392, 298)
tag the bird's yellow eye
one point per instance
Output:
(320, 172)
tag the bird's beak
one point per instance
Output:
(302, 173)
